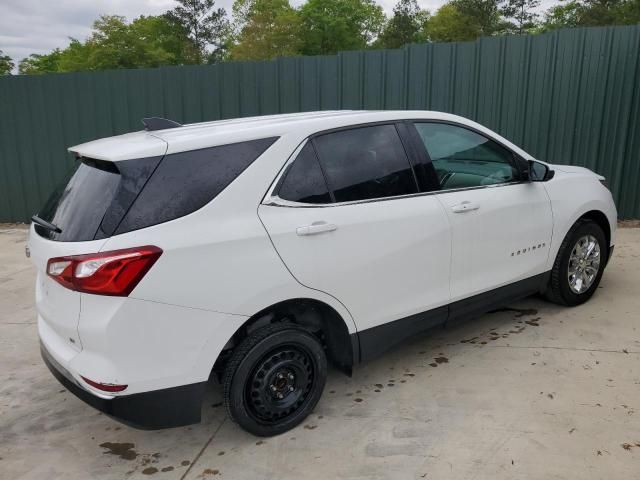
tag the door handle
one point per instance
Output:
(465, 206)
(316, 228)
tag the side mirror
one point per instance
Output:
(539, 172)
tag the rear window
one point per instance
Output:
(79, 206)
(99, 198)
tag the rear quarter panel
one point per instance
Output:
(218, 268)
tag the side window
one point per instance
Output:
(365, 163)
(303, 182)
(463, 158)
(186, 181)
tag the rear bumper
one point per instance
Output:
(169, 407)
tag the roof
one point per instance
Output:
(206, 134)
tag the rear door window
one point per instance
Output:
(304, 182)
(365, 163)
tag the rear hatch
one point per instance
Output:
(57, 306)
(77, 219)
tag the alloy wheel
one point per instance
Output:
(584, 264)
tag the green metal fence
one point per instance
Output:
(572, 96)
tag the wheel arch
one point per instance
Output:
(598, 217)
(592, 212)
(318, 317)
(557, 290)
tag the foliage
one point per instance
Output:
(241, 10)
(407, 25)
(522, 15)
(587, 13)
(145, 42)
(485, 14)
(330, 26)
(564, 15)
(449, 24)
(267, 29)
(205, 26)
(6, 64)
(36, 64)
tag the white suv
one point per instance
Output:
(258, 249)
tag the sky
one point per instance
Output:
(39, 26)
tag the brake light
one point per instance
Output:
(113, 273)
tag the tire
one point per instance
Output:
(562, 289)
(274, 379)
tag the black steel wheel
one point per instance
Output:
(274, 379)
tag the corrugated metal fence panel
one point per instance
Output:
(572, 96)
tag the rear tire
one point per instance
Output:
(579, 264)
(274, 379)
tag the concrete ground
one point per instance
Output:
(535, 391)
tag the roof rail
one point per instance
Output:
(157, 123)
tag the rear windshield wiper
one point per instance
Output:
(45, 224)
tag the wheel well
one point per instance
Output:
(317, 317)
(603, 222)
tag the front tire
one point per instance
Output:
(579, 265)
(274, 379)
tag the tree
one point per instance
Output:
(579, 13)
(145, 42)
(36, 64)
(204, 24)
(561, 16)
(241, 11)
(114, 43)
(629, 12)
(450, 25)
(484, 13)
(599, 12)
(6, 64)
(522, 14)
(406, 25)
(270, 28)
(163, 33)
(333, 25)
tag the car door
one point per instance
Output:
(346, 218)
(501, 226)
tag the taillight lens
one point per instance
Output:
(107, 273)
(105, 387)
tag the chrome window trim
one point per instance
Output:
(275, 201)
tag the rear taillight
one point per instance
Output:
(107, 273)
(105, 387)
